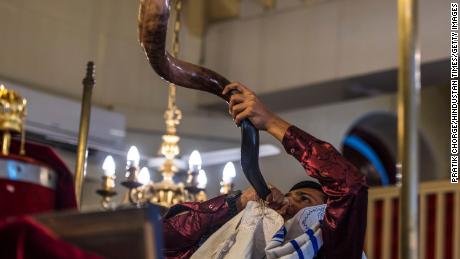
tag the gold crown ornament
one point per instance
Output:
(13, 112)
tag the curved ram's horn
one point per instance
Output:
(152, 22)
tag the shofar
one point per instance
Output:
(153, 23)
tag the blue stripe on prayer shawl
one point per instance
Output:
(314, 242)
(297, 249)
(280, 236)
(281, 233)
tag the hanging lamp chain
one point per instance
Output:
(173, 115)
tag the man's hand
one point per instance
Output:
(245, 105)
(275, 199)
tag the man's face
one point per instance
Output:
(301, 198)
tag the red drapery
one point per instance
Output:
(20, 236)
(18, 198)
(23, 238)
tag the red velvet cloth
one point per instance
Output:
(17, 197)
(378, 229)
(23, 238)
(431, 231)
(449, 226)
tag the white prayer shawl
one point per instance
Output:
(245, 236)
(300, 237)
(258, 232)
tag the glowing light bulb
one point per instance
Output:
(109, 166)
(194, 161)
(144, 176)
(133, 157)
(229, 173)
(202, 179)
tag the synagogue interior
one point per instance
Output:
(159, 128)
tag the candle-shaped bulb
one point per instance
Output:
(194, 161)
(133, 157)
(202, 179)
(229, 173)
(109, 166)
(144, 176)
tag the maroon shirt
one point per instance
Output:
(344, 224)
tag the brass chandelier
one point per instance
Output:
(166, 193)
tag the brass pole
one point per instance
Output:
(408, 104)
(22, 149)
(6, 142)
(85, 115)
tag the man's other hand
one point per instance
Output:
(247, 195)
(245, 104)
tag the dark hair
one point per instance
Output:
(307, 184)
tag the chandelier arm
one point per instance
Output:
(152, 27)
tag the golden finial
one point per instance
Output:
(13, 111)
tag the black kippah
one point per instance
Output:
(307, 184)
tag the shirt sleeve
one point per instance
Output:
(184, 225)
(344, 222)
